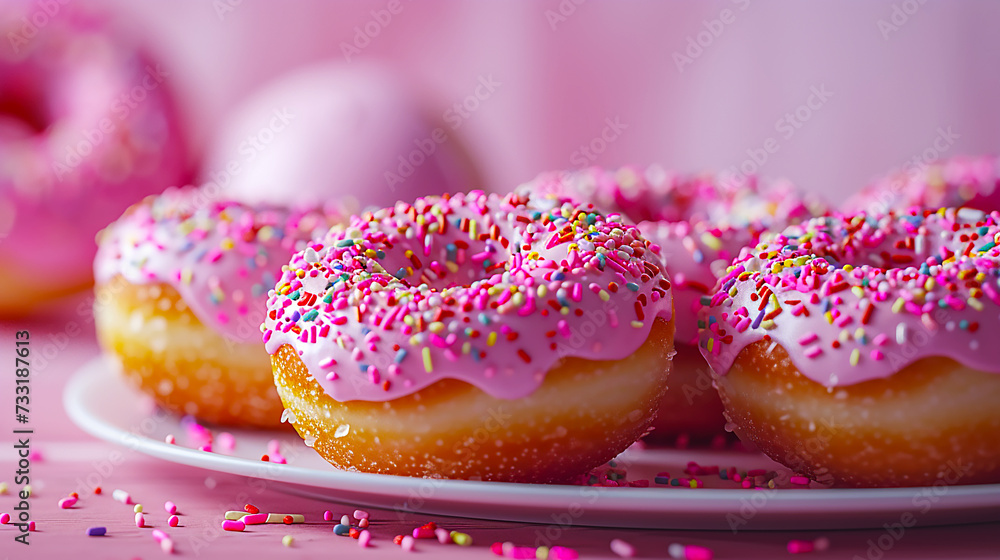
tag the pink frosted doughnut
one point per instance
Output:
(862, 349)
(700, 222)
(506, 338)
(181, 287)
(353, 134)
(970, 181)
(87, 126)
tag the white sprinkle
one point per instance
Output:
(901, 333)
(342, 430)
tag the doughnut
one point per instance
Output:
(354, 134)
(857, 348)
(181, 283)
(962, 181)
(700, 223)
(505, 338)
(87, 126)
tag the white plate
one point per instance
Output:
(101, 403)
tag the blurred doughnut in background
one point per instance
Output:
(87, 127)
(332, 133)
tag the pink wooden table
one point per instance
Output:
(63, 341)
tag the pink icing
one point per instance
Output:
(700, 222)
(76, 145)
(222, 257)
(972, 181)
(486, 289)
(854, 298)
(336, 132)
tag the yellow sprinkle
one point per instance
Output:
(711, 344)
(605, 296)
(467, 347)
(829, 317)
(848, 268)
(542, 290)
(491, 339)
(858, 291)
(897, 306)
(287, 540)
(975, 304)
(929, 284)
(472, 229)
(768, 324)
(137, 508)
(637, 324)
(711, 241)
(855, 356)
(859, 333)
(435, 327)
(428, 366)
(693, 483)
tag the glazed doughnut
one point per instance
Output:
(329, 128)
(87, 127)
(181, 286)
(861, 350)
(700, 223)
(967, 181)
(516, 338)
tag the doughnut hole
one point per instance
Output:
(933, 422)
(163, 349)
(691, 407)
(20, 108)
(584, 414)
(477, 266)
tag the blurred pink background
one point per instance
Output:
(690, 85)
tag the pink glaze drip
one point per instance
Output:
(700, 222)
(222, 257)
(854, 298)
(486, 289)
(972, 181)
(77, 145)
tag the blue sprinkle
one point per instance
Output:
(363, 368)
(662, 480)
(760, 317)
(295, 316)
(97, 531)
(824, 305)
(310, 315)
(400, 355)
(341, 529)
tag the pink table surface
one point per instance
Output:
(64, 339)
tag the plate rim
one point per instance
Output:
(835, 500)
